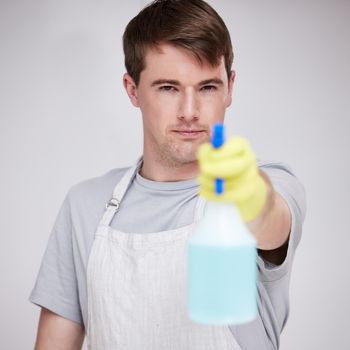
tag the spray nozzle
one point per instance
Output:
(217, 141)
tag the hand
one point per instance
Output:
(234, 162)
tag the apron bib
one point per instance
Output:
(137, 288)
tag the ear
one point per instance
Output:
(131, 89)
(230, 88)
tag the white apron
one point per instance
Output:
(137, 289)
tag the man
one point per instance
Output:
(114, 264)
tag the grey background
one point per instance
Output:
(64, 117)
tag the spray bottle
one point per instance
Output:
(221, 262)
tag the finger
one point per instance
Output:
(235, 146)
(242, 193)
(229, 167)
(235, 191)
(237, 195)
(249, 175)
(230, 182)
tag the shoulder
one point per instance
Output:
(94, 190)
(275, 167)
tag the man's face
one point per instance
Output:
(180, 100)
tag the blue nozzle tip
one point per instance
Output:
(218, 135)
(219, 186)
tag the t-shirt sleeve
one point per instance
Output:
(56, 287)
(293, 192)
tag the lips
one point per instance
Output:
(189, 133)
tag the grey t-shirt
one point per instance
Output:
(150, 206)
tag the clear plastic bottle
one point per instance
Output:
(222, 267)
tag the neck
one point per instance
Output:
(156, 171)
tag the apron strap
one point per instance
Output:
(119, 191)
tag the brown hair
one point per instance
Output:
(190, 24)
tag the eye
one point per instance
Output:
(168, 88)
(208, 88)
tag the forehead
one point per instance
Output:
(171, 62)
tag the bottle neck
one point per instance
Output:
(222, 223)
(222, 209)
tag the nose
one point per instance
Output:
(189, 108)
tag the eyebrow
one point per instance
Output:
(215, 81)
(165, 81)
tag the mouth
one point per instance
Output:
(189, 133)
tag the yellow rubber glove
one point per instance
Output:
(234, 162)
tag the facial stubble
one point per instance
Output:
(174, 153)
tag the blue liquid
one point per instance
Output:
(222, 284)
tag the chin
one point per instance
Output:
(182, 158)
(176, 159)
(176, 154)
